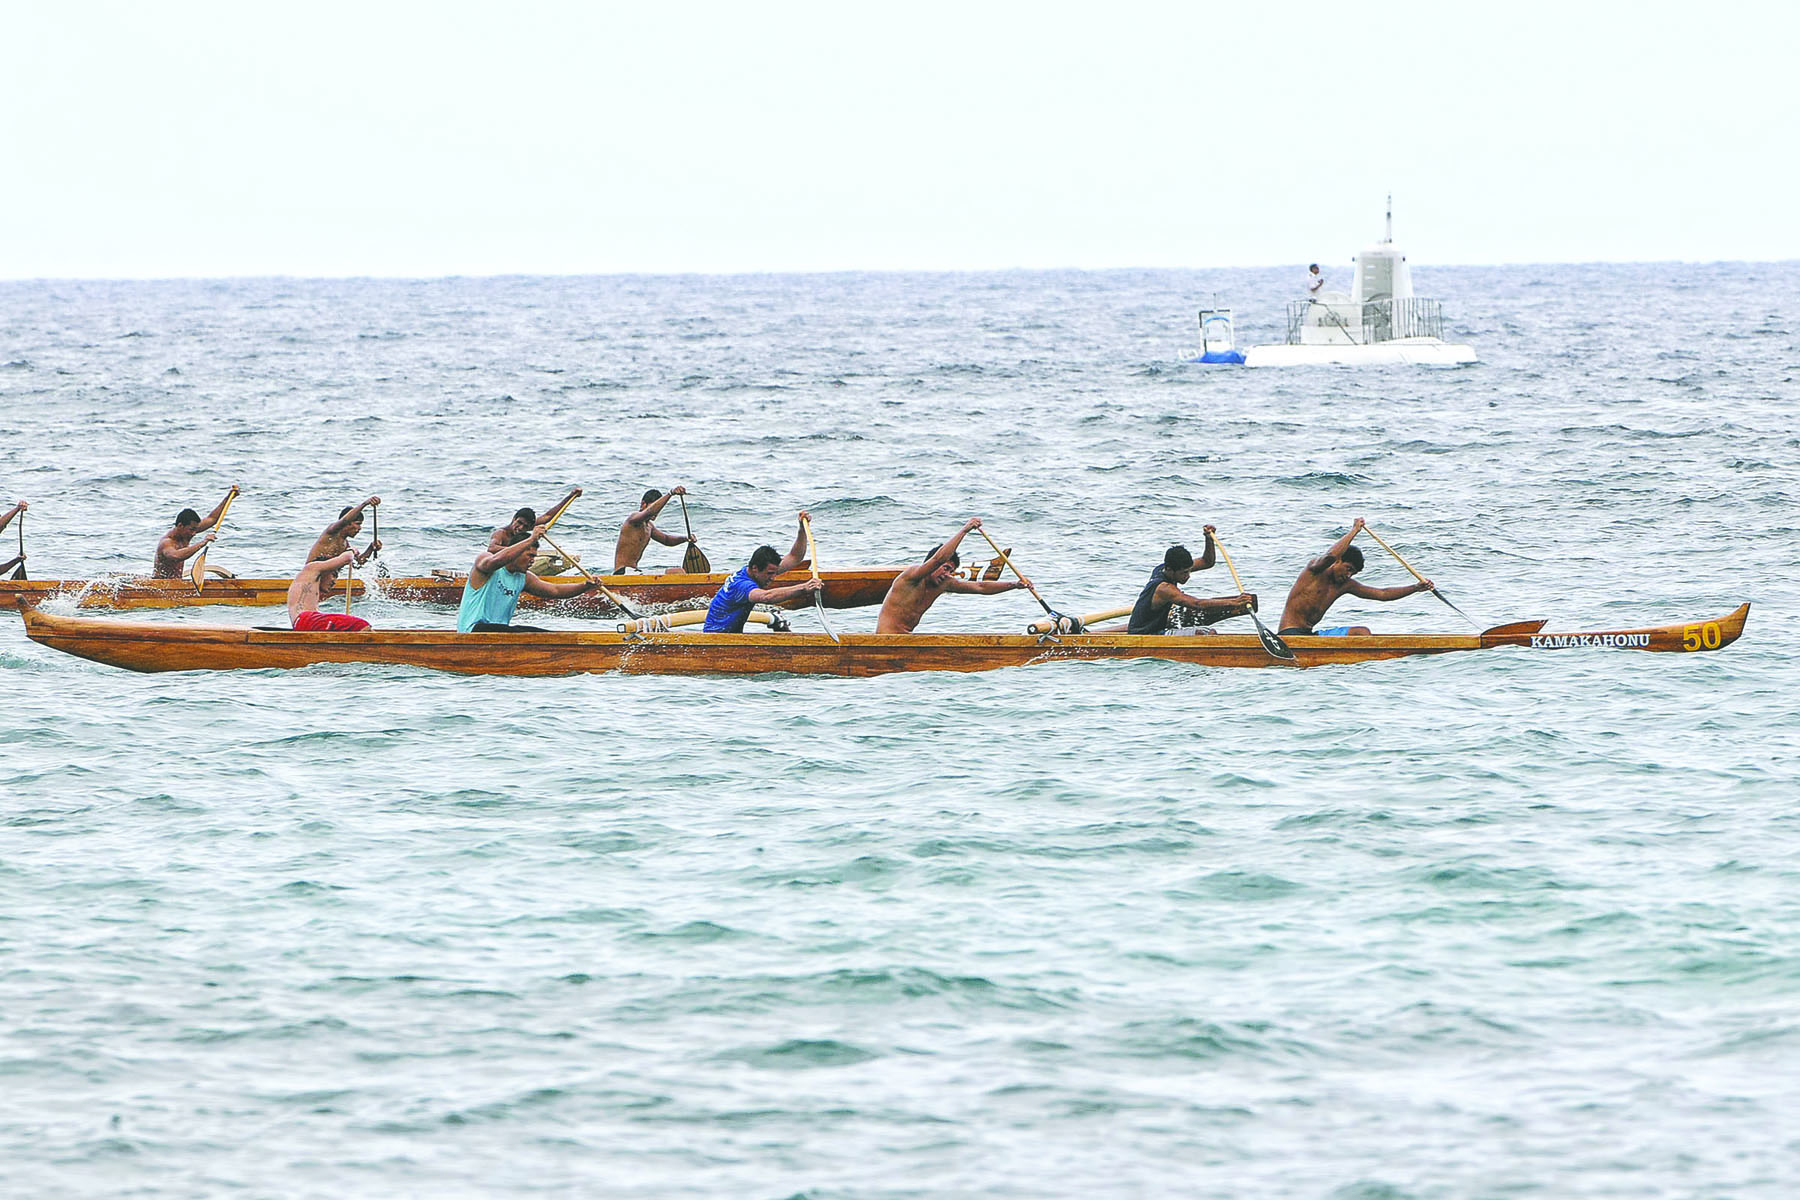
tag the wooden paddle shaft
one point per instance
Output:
(604, 590)
(1228, 564)
(818, 596)
(1015, 570)
(558, 515)
(812, 549)
(1393, 552)
(198, 572)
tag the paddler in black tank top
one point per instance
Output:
(1163, 592)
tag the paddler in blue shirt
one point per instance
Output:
(1163, 592)
(754, 584)
(499, 577)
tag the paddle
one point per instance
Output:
(812, 562)
(349, 581)
(198, 572)
(1459, 612)
(1273, 644)
(604, 590)
(558, 514)
(20, 573)
(692, 560)
(375, 540)
(1063, 624)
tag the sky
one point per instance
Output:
(411, 139)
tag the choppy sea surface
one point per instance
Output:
(1509, 924)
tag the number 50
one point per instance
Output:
(1701, 637)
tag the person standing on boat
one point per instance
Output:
(917, 588)
(497, 580)
(176, 548)
(1315, 282)
(640, 527)
(310, 582)
(522, 523)
(1328, 577)
(1163, 591)
(5, 520)
(755, 584)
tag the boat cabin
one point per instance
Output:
(1381, 306)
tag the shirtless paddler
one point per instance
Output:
(5, 520)
(640, 528)
(304, 594)
(521, 525)
(1328, 577)
(917, 588)
(177, 545)
(336, 538)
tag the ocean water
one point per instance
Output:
(1493, 925)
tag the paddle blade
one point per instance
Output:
(819, 605)
(694, 562)
(1272, 643)
(20, 573)
(616, 600)
(1459, 612)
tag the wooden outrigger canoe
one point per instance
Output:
(169, 646)
(853, 588)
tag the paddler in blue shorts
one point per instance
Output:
(1329, 576)
(755, 584)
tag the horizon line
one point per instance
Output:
(820, 271)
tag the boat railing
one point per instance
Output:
(1380, 320)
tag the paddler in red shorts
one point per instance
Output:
(303, 597)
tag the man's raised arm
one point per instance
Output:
(352, 517)
(797, 555)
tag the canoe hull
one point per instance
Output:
(155, 646)
(855, 588)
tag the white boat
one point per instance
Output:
(1379, 322)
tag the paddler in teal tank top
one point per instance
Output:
(499, 577)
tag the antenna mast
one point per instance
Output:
(1390, 218)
